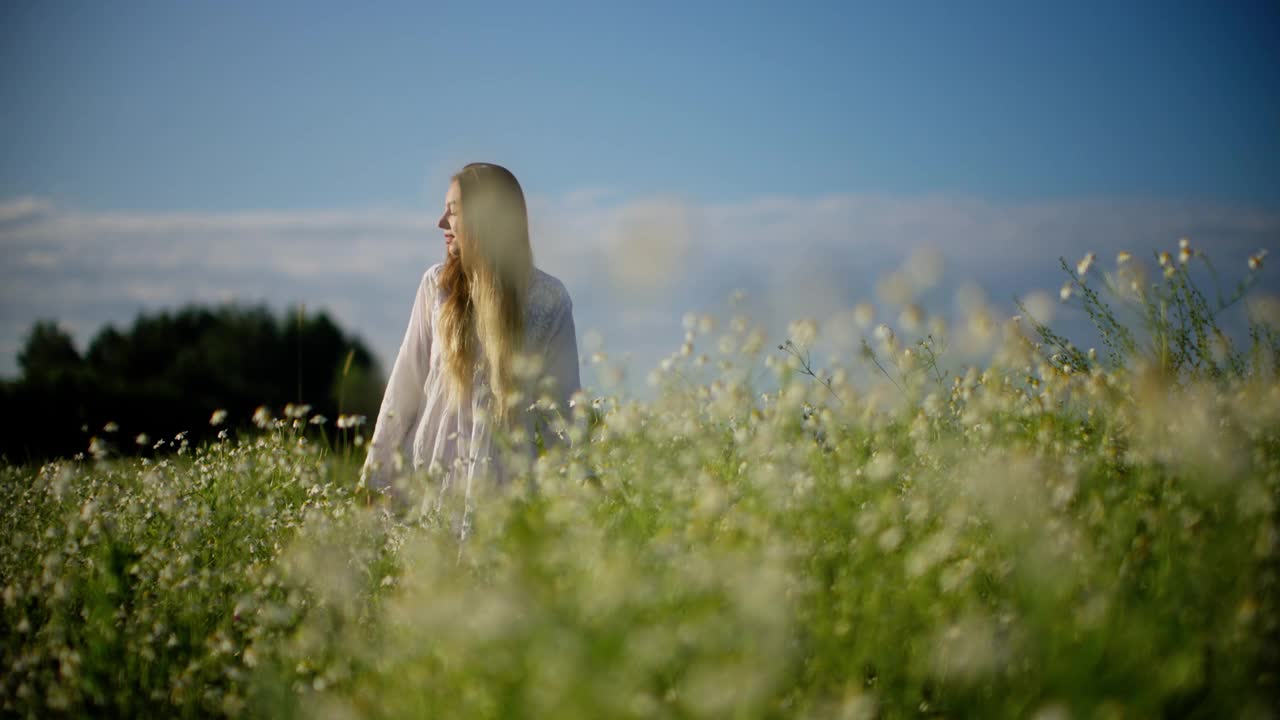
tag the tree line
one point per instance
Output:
(170, 371)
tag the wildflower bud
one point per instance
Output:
(1255, 261)
(1065, 292)
(1164, 259)
(1085, 263)
(217, 417)
(884, 333)
(1123, 257)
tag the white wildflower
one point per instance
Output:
(296, 411)
(911, 317)
(350, 421)
(1255, 261)
(1184, 251)
(1082, 267)
(802, 332)
(864, 315)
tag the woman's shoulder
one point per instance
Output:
(432, 274)
(547, 291)
(429, 286)
(547, 303)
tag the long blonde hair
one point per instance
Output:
(486, 284)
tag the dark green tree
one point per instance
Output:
(48, 354)
(170, 371)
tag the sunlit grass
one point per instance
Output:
(1046, 535)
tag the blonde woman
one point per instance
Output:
(489, 335)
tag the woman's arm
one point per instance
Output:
(402, 400)
(561, 373)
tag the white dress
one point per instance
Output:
(416, 422)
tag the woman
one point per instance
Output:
(489, 337)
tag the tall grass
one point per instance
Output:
(1050, 535)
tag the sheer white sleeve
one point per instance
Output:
(403, 399)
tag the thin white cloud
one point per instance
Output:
(23, 208)
(634, 266)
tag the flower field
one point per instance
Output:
(1050, 534)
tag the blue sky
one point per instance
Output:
(187, 115)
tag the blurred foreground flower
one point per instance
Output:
(1082, 267)
(1184, 251)
(803, 332)
(350, 421)
(296, 412)
(1255, 261)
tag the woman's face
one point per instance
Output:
(451, 220)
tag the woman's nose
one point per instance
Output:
(442, 223)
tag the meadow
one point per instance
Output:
(1057, 532)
